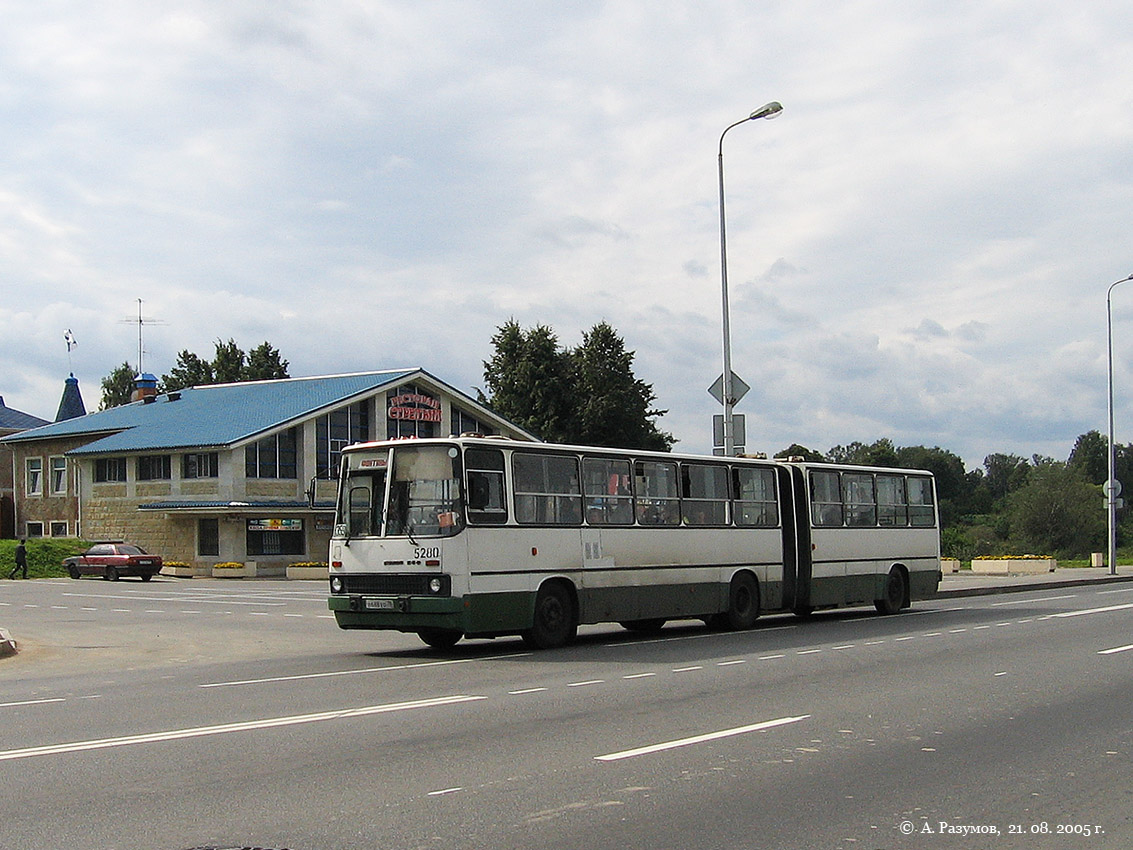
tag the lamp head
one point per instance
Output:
(768, 110)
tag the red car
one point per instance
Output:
(112, 560)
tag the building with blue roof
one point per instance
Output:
(11, 422)
(238, 472)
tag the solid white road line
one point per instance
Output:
(699, 739)
(204, 731)
(1105, 610)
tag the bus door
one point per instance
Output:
(797, 570)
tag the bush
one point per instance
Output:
(45, 555)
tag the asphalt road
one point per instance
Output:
(209, 714)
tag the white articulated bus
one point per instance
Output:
(483, 537)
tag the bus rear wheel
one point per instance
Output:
(439, 638)
(894, 599)
(554, 623)
(743, 605)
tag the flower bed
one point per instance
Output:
(308, 570)
(1014, 564)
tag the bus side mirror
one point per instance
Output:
(312, 489)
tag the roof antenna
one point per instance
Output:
(141, 322)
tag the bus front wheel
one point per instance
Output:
(894, 599)
(554, 622)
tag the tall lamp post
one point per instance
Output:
(768, 110)
(1112, 487)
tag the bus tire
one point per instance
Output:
(439, 638)
(743, 605)
(554, 623)
(894, 599)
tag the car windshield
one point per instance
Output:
(130, 550)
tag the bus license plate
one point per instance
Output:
(381, 604)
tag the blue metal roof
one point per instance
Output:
(212, 416)
(13, 419)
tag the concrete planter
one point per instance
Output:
(186, 571)
(1012, 566)
(243, 571)
(949, 565)
(308, 573)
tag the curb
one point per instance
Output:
(961, 592)
(7, 644)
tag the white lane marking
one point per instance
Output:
(444, 791)
(1115, 650)
(807, 651)
(687, 669)
(730, 663)
(1105, 610)
(1033, 601)
(587, 682)
(526, 691)
(699, 739)
(639, 676)
(770, 657)
(250, 725)
(174, 599)
(32, 702)
(333, 673)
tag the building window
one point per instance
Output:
(337, 430)
(208, 537)
(206, 465)
(58, 477)
(272, 457)
(34, 529)
(275, 537)
(108, 469)
(58, 529)
(462, 423)
(154, 468)
(35, 478)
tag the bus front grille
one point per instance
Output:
(394, 584)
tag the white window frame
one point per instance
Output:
(33, 480)
(58, 475)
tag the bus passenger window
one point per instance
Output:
(861, 503)
(756, 504)
(892, 506)
(704, 491)
(547, 489)
(606, 491)
(921, 513)
(658, 502)
(825, 499)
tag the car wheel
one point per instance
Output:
(112, 574)
(73, 571)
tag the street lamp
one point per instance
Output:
(1112, 487)
(768, 110)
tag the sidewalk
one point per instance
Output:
(967, 583)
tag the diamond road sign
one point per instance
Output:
(739, 389)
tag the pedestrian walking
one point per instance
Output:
(21, 560)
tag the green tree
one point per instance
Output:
(1090, 456)
(117, 387)
(527, 380)
(585, 395)
(1057, 511)
(229, 365)
(611, 407)
(795, 450)
(880, 453)
(265, 363)
(1005, 473)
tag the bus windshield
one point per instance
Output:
(424, 492)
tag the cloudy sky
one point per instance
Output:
(919, 246)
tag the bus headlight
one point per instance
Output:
(436, 585)
(336, 585)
